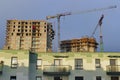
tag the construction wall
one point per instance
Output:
(84, 44)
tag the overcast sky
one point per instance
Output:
(73, 26)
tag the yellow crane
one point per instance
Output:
(58, 16)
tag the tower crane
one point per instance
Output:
(101, 37)
(58, 16)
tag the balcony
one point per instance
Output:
(57, 70)
(1, 67)
(113, 70)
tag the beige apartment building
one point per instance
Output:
(29, 34)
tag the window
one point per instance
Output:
(1, 66)
(79, 78)
(38, 78)
(44, 30)
(113, 65)
(18, 34)
(29, 30)
(25, 30)
(22, 22)
(14, 62)
(13, 30)
(18, 26)
(98, 78)
(57, 62)
(12, 34)
(13, 78)
(114, 77)
(79, 64)
(29, 34)
(97, 63)
(112, 62)
(26, 34)
(18, 30)
(57, 78)
(39, 63)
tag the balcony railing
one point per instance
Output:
(56, 70)
(113, 69)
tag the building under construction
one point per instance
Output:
(29, 34)
(85, 44)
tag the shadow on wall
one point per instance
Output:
(13, 72)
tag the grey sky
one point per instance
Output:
(73, 26)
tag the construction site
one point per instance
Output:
(85, 44)
(40, 45)
(37, 35)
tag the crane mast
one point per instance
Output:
(101, 37)
(58, 22)
(71, 13)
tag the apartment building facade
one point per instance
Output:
(14, 65)
(29, 34)
(25, 65)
